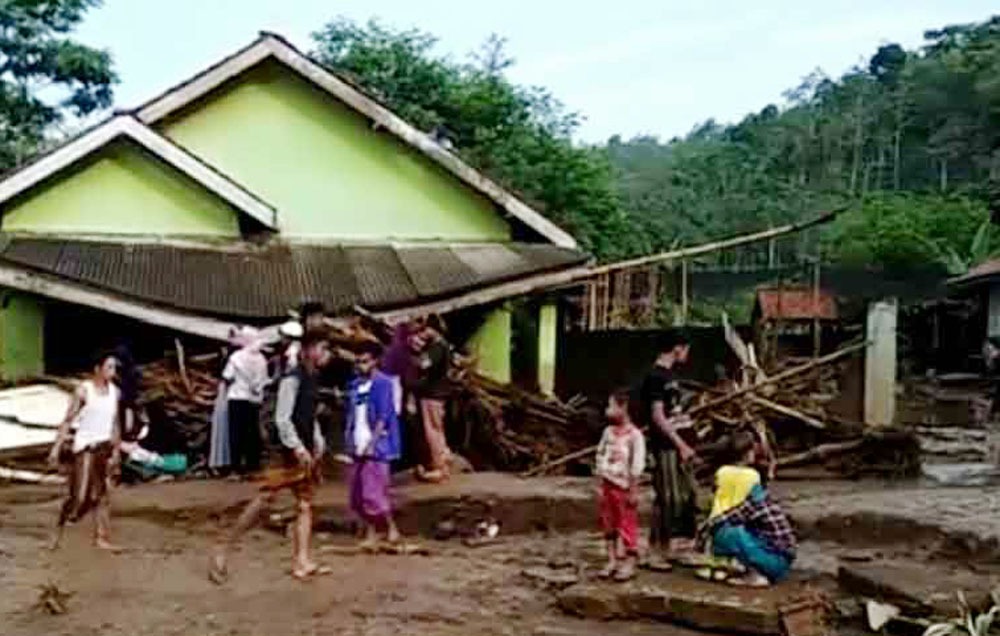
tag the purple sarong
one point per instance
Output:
(370, 490)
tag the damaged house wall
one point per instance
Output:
(261, 182)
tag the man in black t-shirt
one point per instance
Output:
(672, 438)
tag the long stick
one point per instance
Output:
(819, 453)
(784, 375)
(787, 410)
(697, 250)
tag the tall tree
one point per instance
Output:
(45, 74)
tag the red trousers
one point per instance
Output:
(619, 518)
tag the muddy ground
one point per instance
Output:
(158, 586)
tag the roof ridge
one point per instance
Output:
(126, 124)
(272, 45)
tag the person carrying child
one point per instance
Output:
(746, 524)
(621, 459)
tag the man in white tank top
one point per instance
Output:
(87, 443)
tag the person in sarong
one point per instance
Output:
(433, 389)
(87, 446)
(372, 440)
(672, 444)
(299, 471)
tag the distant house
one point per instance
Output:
(258, 183)
(983, 283)
(785, 318)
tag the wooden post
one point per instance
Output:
(684, 292)
(880, 363)
(817, 325)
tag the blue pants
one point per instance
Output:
(741, 544)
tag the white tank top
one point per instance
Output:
(95, 422)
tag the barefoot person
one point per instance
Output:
(672, 438)
(90, 435)
(621, 458)
(372, 439)
(433, 389)
(295, 419)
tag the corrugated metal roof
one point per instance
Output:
(244, 281)
(796, 303)
(983, 271)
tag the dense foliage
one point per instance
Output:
(911, 142)
(37, 57)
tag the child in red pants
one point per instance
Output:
(621, 458)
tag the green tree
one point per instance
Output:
(37, 57)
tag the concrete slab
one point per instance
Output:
(681, 599)
(918, 589)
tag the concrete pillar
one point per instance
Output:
(880, 363)
(21, 331)
(491, 345)
(548, 334)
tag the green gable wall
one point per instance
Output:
(21, 347)
(324, 167)
(491, 345)
(122, 190)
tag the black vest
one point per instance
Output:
(304, 413)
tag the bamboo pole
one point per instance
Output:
(787, 410)
(784, 375)
(714, 246)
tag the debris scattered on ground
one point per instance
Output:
(53, 600)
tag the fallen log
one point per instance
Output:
(779, 377)
(30, 476)
(819, 453)
(786, 410)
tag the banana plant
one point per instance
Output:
(968, 622)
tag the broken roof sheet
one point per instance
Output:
(251, 282)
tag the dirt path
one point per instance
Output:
(159, 586)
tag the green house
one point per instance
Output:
(261, 182)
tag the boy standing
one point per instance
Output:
(295, 419)
(672, 441)
(372, 439)
(621, 458)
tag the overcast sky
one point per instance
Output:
(629, 66)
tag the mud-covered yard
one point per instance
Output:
(158, 586)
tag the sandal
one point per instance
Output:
(607, 571)
(624, 573)
(750, 580)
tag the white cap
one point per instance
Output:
(291, 329)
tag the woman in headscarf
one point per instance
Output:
(246, 376)
(220, 453)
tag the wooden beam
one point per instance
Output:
(779, 377)
(787, 410)
(23, 280)
(483, 296)
(714, 246)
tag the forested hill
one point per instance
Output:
(912, 141)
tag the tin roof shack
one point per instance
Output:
(790, 321)
(981, 284)
(263, 181)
